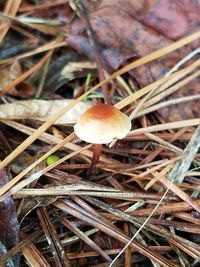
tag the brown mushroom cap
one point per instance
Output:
(101, 123)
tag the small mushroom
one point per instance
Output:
(101, 124)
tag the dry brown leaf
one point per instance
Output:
(8, 87)
(42, 110)
(133, 29)
(9, 73)
(45, 28)
(32, 254)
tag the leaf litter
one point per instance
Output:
(133, 212)
(38, 109)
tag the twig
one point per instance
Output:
(82, 11)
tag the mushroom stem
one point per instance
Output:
(95, 159)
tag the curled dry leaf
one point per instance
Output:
(11, 72)
(31, 203)
(133, 29)
(65, 69)
(42, 110)
(8, 73)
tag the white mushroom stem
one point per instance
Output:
(95, 159)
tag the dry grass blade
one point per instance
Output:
(158, 176)
(75, 255)
(159, 166)
(176, 190)
(27, 241)
(60, 191)
(166, 126)
(178, 173)
(180, 169)
(165, 144)
(177, 83)
(11, 9)
(10, 185)
(164, 94)
(167, 104)
(139, 230)
(32, 254)
(18, 177)
(51, 139)
(163, 51)
(165, 136)
(86, 239)
(166, 209)
(113, 231)
(49, 46)
(63, 189)
(163, 83)
(128, 257)
(174, 239)
(52, 238)
(41, 6)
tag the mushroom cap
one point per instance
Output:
(101, 123)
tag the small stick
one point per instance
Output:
(84, 15)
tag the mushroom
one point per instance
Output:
(101, 124)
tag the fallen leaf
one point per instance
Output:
(9, 73)
(42, 110)
(137, 28)
(65, 69)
